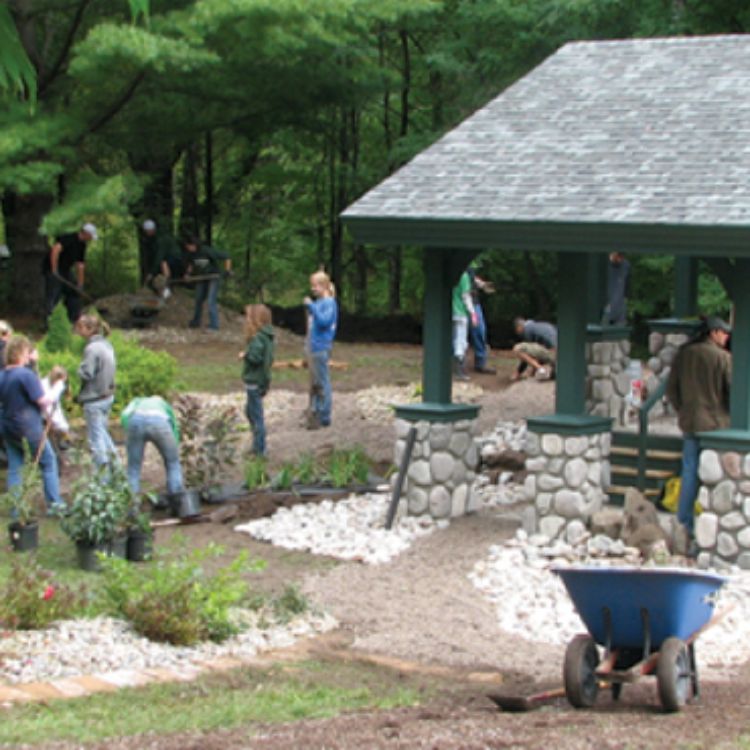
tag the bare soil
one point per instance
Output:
(422, 608)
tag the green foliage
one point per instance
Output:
(347, 467)
(208, 444)
(100, 507)
(256, 472)
(284, 477)
(174, 599)
(59, 331)
(31, 597)
(16, 70)
(289, 604)
(306, 470)
(23, 501)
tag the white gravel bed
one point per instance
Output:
(350, 529)
(72, 648)
(532, 602)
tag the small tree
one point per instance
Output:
(60, 332)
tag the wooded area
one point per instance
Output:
(254, 123)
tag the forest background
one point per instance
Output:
(254, 123)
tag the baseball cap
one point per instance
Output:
(714, 323)
(90, 229)
(149, 225)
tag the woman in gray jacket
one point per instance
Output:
(97, 373)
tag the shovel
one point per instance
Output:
(519, 703)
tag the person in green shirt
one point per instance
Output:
(463, 313)
(161, 254)
(151, 419)
(257, 360)
(204, 260)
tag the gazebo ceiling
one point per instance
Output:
(643, 145)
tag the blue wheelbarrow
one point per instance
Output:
(646, 620)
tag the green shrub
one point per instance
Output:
(173, 599)
(256, 472)
(31, 598)
(59, 330)
(140, 371)
(347, 467)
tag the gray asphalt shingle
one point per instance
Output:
(648, 131)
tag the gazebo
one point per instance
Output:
(638, 145)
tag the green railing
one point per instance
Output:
(643, 411)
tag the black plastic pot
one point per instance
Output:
(118, 547)
(185, 504)
(23, 536)
(86, 554)
(140, 546)
(224, 492)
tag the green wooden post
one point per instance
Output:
(685, 287)
(596, 286)
(442, 269)
(740, 398)
(571, 335)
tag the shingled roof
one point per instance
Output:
(641, 144)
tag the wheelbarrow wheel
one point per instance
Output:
(579, 672)
(673, 674)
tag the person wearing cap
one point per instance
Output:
(160, 253)
(65, 270)
(698, 388)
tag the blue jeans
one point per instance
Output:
(151, 428)
(320, 386)
(96, 414)
(47, 465)
(688, 482)
(460, 340)
(254, 412)
(478, 338)
(210, 290)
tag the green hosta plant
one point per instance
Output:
(100, 508)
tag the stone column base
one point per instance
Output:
(568, 475)
(442, 469)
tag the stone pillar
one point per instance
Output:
(443, 467)
(722, 530)
(568, 474)
(607, 383)
(665, 338)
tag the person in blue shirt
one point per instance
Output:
(22, 401)
(322, 318)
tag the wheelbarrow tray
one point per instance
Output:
(612, 602)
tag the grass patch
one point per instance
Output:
(228, 700)
(210, 376)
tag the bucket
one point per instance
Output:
(185, 504)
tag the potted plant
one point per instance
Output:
(97, 517)
(22, 504)
(140, 536)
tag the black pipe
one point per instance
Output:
(405, 459)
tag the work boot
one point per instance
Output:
(459, 373)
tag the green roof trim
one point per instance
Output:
(569, 424)
(726, 440)
(596, 333)
(680, 240)
(431, 412)
(674, 325)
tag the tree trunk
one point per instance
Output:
(208, 186)
(189, 220)
(394, 279)
(22, 215)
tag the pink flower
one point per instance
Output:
(49, 592)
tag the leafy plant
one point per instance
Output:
(31, 598)
(289, 604)
(306, 471)
(100, 508)
(348, 466)
(284, 477)
(22, 501)
(208, 445)
(256, 472)
(174, 599)
(59, 330)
